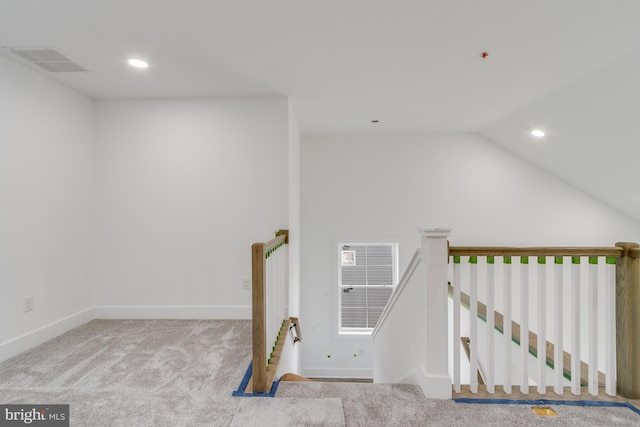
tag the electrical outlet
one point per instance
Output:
(246, 284)
(27, 304)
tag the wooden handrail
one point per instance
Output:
(613, 251)
(282, 237)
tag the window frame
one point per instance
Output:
(363, 332)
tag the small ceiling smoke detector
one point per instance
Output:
(537, 133)
(49, 59)
(138, 63)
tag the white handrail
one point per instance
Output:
(408, 273)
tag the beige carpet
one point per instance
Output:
(259, 412)
(183, 372)
(136, 372)
(405, 405)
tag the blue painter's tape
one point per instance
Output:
(549, 402)
(245, 380)
(240, 392)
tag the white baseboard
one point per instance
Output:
(29, 340)
(364, 373)
(433, 386)
(172, 312)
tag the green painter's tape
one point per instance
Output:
(506, 260)
(524, 260)
(473, 259)
(272, 251)
(575, 260)
(611, 260)
(593, 260)
(542, 260)
(490, 259)
(456, 259)
(558, 260)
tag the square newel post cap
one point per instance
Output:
(435, 232)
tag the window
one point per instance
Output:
(367, 275)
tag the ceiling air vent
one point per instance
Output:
(49, 59)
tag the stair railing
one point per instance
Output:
(416, 316)
(270, 320)
(612, 272)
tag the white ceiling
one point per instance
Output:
(570, 66)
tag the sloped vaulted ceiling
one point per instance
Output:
(570, 66)
(593, 134)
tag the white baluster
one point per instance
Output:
(270, 287)
(274, 300)
(279, 291)
(610, 316)
(593, 326)
(285, 282)
(270, 304)
(508, 280)
(524, 324)
(575, 325)
(473, 326)
(542, 325)
(267, 305)
(489, 366)
(277, 315)
(558, 361)
(456, 324)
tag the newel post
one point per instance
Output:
(628, 321)
(435, 257)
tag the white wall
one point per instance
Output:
(399, 328)
(46, 193)
(184, 188)
(294, 215)
(363, 187)
(290, 358)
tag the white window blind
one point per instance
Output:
(368, 274)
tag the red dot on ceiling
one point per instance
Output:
(485, 54)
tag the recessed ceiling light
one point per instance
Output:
(538, 133)
(138, 63)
